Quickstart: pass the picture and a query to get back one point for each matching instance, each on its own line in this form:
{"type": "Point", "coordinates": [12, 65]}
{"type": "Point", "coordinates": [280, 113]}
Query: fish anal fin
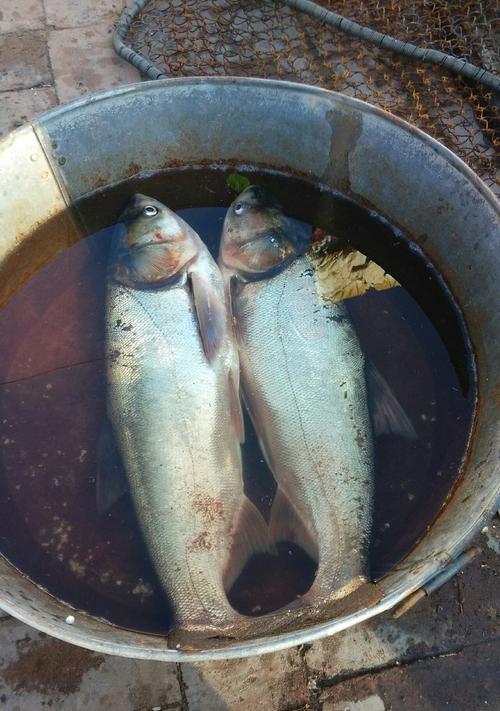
{"type": "Point", "coordinates": [286, 524]}
{"type": "Point", "coordinates": [210, 312]}
{"type": "Point", "coordinates": [111, 480]}
{"type": "Point", "coordinates": [388, 417]}
{"type": "Point", "coordinates": [249, 536]}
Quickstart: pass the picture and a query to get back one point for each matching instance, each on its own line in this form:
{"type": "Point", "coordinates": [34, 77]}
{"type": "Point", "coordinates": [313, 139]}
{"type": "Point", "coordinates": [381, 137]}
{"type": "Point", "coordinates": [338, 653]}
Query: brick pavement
{"type": "Point", "coordinates": [52, 51]}
{"type": "Point", "coordinates": [444, 653]}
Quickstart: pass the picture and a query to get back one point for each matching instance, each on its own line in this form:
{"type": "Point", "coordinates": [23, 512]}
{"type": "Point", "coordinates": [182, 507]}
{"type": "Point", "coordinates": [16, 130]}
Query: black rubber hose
{"type": "Point", "coordinates": [121, 29]}
{"type": "Point", "coordinates": [458, 66]}
{"type": "Point", "coordinates": [433, 56]}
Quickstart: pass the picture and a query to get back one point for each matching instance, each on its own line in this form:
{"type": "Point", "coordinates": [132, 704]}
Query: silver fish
{"type": "Point", "coordinates": [304, 379]}
{"type": "Point", "coordinates": [172, 372]}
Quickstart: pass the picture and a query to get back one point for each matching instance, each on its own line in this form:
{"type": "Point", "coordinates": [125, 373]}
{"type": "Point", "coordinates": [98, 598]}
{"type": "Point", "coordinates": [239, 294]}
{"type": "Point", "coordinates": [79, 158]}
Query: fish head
{"type": "Point", "coordinates": [258, 239]}
{"type": "Point", "coordinates": [152, 245]}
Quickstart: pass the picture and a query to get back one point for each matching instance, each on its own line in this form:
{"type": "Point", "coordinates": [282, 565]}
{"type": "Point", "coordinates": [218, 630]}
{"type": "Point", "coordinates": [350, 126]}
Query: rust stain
{"type": "Point", "coordinates": [132, 169]}
{"type": "Point", "coordinates": [209, 507]}
{"type": "Point", "coordinates": [100, 181]}
{"type": "Point", "coordinates": [171, 163]}
{"type": "Point", "coordinates": [48, 665]}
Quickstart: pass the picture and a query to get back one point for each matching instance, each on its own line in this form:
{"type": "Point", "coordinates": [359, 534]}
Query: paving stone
{"type": "Point", "coordinates": [64, 14]}
{"type": "Point", "coordinates": [21, 15]}
{"type": "Point", "coordinates": [370, 703]}
{"type": "Point", "coordinates": [84, 60]}
{"type": "Point", "coordinates": [24, 60]}
{"type": "Point", "coordinates": [463, 612]}
{"type": "Point", "coordinates": [37, 671]}
{"type": "Point", "coordinates": [22, 105]}
{"type": "Point", "coordinates": [271, 682]}
{"type": "Point", "coordinates": [466, 681]}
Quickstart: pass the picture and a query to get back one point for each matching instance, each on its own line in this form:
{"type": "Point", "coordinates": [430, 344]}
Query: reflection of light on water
{"type": "Point", "coordinates": [492, 536]}
{"type": "Point", "coordinates": [77, 568]}
{"type": "Point", "coordinates": [142, 589]}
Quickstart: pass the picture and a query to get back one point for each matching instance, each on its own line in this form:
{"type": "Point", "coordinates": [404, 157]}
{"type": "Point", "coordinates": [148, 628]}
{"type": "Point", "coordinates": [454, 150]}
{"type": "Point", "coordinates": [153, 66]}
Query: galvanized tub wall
{"type": "Point", "coordinates": [341, 142]}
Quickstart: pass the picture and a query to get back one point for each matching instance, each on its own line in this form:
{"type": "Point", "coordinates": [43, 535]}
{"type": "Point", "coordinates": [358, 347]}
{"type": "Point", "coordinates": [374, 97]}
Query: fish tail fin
{"type": "Point", "coordinates": [250, 535]}
{"type": "Point", "coordinates": [286, 524]}
{"type": "Point", "coordinates": [387, 414]}
{"type": "Point", "coordinates": [319, 594]}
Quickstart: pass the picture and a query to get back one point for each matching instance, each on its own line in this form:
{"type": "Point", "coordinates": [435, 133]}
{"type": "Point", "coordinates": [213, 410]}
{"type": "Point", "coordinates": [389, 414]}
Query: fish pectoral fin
{"type": "Point", "coordinates": [249, 536]}
{"type": "Point", "coordinates": [388, 417]}
{"type": "Point", "coordinates": [210, 312]}
{"type": "Point", "coordinates": [111, 480]}
{"type": "Point", "coordinates": [286, 524]}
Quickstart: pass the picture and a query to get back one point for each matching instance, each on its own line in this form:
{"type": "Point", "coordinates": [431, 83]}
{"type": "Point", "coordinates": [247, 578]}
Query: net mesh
{"type": "Point", "coordinates": [270, 39]}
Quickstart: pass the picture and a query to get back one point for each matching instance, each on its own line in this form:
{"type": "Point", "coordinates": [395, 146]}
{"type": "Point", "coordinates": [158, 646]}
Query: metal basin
{"type": "Point", "coordinates": [70, 152]}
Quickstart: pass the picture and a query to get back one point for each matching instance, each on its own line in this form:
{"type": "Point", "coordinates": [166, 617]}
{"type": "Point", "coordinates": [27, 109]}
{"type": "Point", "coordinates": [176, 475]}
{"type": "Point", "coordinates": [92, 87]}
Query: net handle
{"type": "Point", "coordinates": [455, 65]}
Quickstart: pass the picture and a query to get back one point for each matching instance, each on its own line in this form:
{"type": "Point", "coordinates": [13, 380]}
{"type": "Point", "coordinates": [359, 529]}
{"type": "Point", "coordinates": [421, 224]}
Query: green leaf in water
{"type": "Point", "coordinates": [237, 182]}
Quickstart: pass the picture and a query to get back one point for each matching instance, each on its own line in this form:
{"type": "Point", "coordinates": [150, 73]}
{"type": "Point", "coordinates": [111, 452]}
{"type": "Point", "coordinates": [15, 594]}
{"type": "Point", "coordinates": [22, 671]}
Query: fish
{"type": "Point", "coordinates": [175, 414]}
{"type": "Point", "coordinates": [306, 384]}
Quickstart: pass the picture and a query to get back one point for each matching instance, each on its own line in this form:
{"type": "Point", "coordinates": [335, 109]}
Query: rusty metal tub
{"type": "Point", "coordinates": [415, 182]}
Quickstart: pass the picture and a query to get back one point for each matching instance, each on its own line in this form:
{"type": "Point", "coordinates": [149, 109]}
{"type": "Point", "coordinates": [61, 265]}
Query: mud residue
{"type": "Point", "coordinates": [49, 665]}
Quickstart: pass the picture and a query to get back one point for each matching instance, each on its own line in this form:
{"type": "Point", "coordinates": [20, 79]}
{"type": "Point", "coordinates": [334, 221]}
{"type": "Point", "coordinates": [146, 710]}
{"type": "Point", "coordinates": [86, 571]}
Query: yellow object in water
{"type": "Point", "coordinates": [345, 273]}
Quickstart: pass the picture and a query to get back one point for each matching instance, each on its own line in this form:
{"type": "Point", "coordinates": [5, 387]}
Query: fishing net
{"type": "Point", "coordinates": [269, 39]}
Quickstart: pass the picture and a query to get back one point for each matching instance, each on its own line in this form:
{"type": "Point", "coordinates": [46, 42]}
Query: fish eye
{"type": "Point", "coordinates": [239, 208]}
{"type": "Point", "coordinates": [150, 210]}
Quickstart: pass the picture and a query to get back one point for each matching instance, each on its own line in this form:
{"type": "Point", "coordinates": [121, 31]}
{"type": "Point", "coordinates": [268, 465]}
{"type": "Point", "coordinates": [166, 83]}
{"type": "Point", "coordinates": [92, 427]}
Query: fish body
{"type": "Point", "coordinates": [303, 378]}
{"type": "Point", "coordinates": [172, 372]}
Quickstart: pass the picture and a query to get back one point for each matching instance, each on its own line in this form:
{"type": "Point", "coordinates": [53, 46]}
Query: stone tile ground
{"type": "Point", "coordinates": [55, 51]}
{"type": "Point", "coordinates": [444, 654]}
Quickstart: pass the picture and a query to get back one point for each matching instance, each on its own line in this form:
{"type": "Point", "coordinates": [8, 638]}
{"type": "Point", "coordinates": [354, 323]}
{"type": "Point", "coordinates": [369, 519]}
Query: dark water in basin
{"type": "Point", "coordinates": [52, 404]}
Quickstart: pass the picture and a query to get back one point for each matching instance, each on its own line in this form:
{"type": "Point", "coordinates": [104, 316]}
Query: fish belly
{"type": "Point", "coordinates": [169, 411]}
{"type": "Point", "coordinates": [303, 378]}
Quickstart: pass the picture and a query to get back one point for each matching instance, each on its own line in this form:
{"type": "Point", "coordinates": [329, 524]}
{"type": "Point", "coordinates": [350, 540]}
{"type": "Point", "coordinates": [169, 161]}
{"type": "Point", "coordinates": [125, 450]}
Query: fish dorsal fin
{"type": "Point", "coordinates": [286, 524]}
{"type": "Point", "coordinates": [210, 312]}
{"type": "Point", "coordinates": [388, 417]}
{"type": "Point", "coordinates": [249, 536]}
{"type": "Point", "coordinates": [111, 480]}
